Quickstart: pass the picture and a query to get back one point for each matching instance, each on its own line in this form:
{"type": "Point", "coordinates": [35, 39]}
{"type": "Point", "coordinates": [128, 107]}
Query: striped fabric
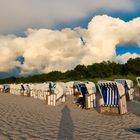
{"type": "Point", "coordinates": [104, 92]}
{"type": "Point", "coordinates": [82, 89]}
{"type": "Point", "coordinates": [116, 94]}
{"type": "Point", "coordinates": [124, 83]}
{"type": "Point", "coordinates": [109, 93]}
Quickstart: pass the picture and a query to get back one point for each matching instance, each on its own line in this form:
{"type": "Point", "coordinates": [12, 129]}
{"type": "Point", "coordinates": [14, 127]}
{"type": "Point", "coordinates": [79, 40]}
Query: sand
{"type": "Point", "coordinates": [25, 118]}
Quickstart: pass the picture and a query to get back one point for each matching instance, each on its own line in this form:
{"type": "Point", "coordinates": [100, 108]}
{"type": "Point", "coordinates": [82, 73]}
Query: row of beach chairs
{"type": "Point", "coordinates": [52, 93]}
{"type": "Point", "coordinates": [112, 94]}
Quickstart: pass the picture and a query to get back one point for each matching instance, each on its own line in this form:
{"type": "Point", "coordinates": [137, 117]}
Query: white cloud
{"type": "Point", "coordinates": [18, 15]}
{"type": "Point", "coordinates": [125, 57]}
{"type": "Point", "coordinates": [45, 50]}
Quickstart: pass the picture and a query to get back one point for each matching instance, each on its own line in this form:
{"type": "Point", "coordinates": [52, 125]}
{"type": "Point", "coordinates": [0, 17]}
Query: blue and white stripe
{"type": "Point", "coordinates": [109, 93]}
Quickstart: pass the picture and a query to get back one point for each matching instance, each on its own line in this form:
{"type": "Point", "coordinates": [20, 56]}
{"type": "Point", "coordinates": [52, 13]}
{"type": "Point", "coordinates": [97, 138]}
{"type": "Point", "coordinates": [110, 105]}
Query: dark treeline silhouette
{"type": "Point", "coordinates": [81, 72]}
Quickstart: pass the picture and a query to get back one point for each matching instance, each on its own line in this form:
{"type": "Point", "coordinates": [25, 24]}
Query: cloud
{"type": "Point", "coordinates": [125, 57]}
{"type": "Point", "coordinates": [45, 50]}
{"type": "Point", "coordinates": [18, 15]}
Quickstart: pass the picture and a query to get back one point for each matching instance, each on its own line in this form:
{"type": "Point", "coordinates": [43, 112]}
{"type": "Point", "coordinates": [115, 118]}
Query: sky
{"type": "Point", "coordinates": [33, 29]}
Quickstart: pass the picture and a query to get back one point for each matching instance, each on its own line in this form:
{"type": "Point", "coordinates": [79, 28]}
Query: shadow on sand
{"type": "Point", "coordinates": [66, 127]}
{"type": "Point", "coordinates": [134, 107]}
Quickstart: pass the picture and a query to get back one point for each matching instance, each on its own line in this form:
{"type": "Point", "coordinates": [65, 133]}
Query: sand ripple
{"type": "Point", "coordinates": [23, 118]}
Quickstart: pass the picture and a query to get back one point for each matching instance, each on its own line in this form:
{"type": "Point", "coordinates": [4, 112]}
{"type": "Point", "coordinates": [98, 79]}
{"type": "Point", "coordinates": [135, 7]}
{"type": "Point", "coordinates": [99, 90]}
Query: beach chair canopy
{"type": "Point", "coordinates": [81, 88]}
{"type": "Point", "coordinates": [1, 86]}
{"type": "Point", "coordinates": [70, 84]}
{"type": "Point", "coordinates": [6, 87]}
{"type": "Point", "coordinates": [91, 87]}
{"type": "Point", "coordinates": [125, 82]}
{"type": "Point", "coordinates": [52, 86]}
{"type": "Point", "coordinates": [109, 92]}
{"type": "Point", "coordinates": [60, 88]}
{"type": "Point", "coordinates": [85, 87]}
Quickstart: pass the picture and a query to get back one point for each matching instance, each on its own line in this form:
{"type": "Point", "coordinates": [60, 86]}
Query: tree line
{"type": "Point", "coordinates": [81, 72]}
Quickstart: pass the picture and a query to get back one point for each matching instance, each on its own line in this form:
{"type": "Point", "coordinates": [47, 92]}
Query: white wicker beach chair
{"type": "Point", "coordinates": [57, 94]}
{"type": "Point", "coordinates": [138, 81]}
{"type": "Point", "coordinates": [85, 94]}
{"type": "Point", "coordinates": [128, 86]}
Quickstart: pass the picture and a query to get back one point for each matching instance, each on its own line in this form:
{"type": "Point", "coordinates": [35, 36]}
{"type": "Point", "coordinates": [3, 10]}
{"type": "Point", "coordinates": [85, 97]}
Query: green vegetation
{"type": "Point", "coordinates": [97, 71]}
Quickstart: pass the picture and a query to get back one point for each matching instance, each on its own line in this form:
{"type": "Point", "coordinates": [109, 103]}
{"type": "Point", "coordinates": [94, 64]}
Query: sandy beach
{"type": "Point", "coordinates": [24, 118]}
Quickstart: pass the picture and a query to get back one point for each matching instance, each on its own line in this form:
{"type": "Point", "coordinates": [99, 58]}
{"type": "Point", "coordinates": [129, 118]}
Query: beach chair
{"type": "Point", "coordinates": [45, 90]}
{"type": "Point", "coordinates": [1, 88]}
{"type": "Point", "coordinates": [57, 94]}
{"type": "Point", "coordinates": [31, 86]}
{"type": "Point", "coordinates": [6, 88]}
{"type": "Point", "coordinates": [15, 89]}
{"type": "Point", "coordinates": [91, 96]}
{"type": "Point", "coordinates": [38, 91]}
{"type": "Point", "coordinates": [138, 81]}
{"type": "Point", "coordinates": [12, 88]}
{"type": "Point", "coordinates": [69, 87]}
{"type": "Point", "coordinates": [129, 88]}
{"type": "Point", "coordinates": [33, 90]}
{"type": "Point", "coordinates": [22, 89]}
{"type": "Point", "coordinates": [85, 94]}
{"type": "Point", "coordinates": [26, 90]}
{"type": "Point", "coordinates": [18, 89]}
{"type": "Point", "coordinates": [113, 98]}
{"type": "Point", "coordinates": [41, 93]}
{"type": "Point", "coordinates": [137, 90]}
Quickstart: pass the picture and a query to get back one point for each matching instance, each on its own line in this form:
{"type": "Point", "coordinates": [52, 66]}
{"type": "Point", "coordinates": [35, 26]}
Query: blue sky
{"type": "Point", "coordinates": [122, 49]}
{"type": "Point", "coordinates": [18, 15]}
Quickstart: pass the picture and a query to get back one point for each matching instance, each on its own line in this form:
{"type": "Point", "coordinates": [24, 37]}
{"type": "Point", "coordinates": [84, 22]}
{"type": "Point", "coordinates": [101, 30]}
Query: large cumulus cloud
{"type": "Point", "coordinates": [45, 50]}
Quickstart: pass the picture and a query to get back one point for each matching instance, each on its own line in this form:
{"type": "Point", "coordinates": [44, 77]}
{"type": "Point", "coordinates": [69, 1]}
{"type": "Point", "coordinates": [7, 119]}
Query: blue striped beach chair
{"type": "Point", "coordinates": [112, 98]}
